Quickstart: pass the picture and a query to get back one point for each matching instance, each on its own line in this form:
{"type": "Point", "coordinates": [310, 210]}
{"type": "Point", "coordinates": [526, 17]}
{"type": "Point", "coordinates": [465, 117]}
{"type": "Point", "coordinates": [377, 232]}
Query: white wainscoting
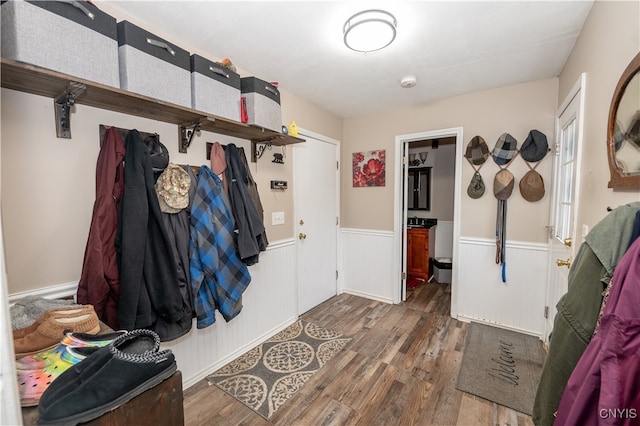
{"type": "Point", "coordinates": [443, 240]}
{"type": "Point", "coordinates": [517, 304]}
{"type": "Point", "coordinates": [269, 305]}
{"type": "Point", "coordinates": [367, 263]}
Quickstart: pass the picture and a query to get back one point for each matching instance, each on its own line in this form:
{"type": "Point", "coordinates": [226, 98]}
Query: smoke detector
{"type": "Point", "coordinates": [408, 81]}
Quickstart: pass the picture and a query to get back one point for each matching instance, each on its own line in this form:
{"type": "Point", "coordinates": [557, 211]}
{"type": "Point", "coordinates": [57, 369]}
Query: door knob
{"type": "Point", "coordinates": [302, 236]}
{"type": "Point", "coordinates": [567, 242]}
{"type": "Point", "coordinates": [566, 263]}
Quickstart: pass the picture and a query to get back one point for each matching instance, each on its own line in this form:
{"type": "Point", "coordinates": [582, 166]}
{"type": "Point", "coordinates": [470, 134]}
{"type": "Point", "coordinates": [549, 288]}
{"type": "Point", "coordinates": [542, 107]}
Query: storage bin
{"type": "Point", "coordinates": [263, 103]}
{"type": "Point", "coordinates": [61, 36]}
{"type": "Point", "coordinates": [214, 88]}
{"type": "Point", "coordinates": [442, 269]}
{"type": "Point", "coordinates": [152, 66]}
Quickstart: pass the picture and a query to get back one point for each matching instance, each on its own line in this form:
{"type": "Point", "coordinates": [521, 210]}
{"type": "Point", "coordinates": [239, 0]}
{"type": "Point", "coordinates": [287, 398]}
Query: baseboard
{"type": "Point", "coordinates": [367, 296]}
{"type": "Point", "coordinates": [468, 319]}
{"type": "Point", "coordinates": [204, 372]}
{"type": "Point", "coordinates": [58, 291]}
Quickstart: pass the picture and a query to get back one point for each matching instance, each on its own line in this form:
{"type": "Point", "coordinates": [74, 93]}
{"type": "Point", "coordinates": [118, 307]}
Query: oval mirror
{"type": "Point", "coordinates": [623, 130]}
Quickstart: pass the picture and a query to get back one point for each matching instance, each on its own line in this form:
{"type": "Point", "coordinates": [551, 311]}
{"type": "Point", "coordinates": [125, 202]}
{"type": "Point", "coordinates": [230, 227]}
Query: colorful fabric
{"type": "Point", "coordinates": [48, 357]}
{"type": "Point", "coordinates": [218, 276]}
{"type": "Point", "coordinates": [33, 383]}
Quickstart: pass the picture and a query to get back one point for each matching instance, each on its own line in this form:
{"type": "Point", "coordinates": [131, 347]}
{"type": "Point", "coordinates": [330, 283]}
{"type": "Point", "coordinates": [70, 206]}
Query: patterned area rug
{"type": "Point", "coordinates": [270, 374]}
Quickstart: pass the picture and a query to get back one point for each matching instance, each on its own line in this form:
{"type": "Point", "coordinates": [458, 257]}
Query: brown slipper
{"type": "Point", "coordinates": [52, 331]}
{"type": "Point", "coordinates": [73, 310]}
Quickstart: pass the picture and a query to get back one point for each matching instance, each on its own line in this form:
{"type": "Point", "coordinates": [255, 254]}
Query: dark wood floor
{"type": "Point", "coordinates": [400, 369]}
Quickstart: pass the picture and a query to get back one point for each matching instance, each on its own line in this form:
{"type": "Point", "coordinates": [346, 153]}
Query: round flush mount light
{"type": "Point", "coordinates": [408, 81]}
{"type": "Point", "coordinates": [369, 30]}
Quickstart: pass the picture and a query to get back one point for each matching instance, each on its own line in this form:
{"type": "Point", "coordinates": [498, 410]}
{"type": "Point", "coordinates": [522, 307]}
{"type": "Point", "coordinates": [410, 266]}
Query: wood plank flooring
{"type": "Point", "coordinates": [400, 369]}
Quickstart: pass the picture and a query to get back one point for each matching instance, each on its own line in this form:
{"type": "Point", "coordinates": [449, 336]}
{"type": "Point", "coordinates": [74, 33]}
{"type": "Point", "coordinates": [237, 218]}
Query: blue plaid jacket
{"type": "Point", "coordinates": [218, 276]}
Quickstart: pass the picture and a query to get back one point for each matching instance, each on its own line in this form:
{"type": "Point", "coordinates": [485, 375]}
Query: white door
{"type": "Point", "coordinates": [316, 219]}
{"type": "Point", "coordinates": [562, 229]}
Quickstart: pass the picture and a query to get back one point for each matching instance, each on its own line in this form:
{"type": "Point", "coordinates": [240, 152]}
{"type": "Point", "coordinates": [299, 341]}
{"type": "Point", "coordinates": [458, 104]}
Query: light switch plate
{"type": "Point", "coordinates": [277, 218]}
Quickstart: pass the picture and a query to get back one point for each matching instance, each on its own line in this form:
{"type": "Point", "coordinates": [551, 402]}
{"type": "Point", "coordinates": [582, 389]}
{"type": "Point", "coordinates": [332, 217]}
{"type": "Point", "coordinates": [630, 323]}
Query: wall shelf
{"type": "Point", "coordinates": [40, 81]}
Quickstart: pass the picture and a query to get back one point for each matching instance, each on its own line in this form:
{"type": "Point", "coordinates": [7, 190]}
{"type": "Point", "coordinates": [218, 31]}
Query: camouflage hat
{"type": "Point", "coordinates": [172, 188]}
{"type": "Point", "coordinates": [535, 147]}
{"type": "Point", "coordinates": [477, 151]}
{"type": "Point", "coordinates": [532, 186]}
{"type": "Point", "coordinates": [503, 184]}
{"type": "Point", "coordinates": [505, 149]}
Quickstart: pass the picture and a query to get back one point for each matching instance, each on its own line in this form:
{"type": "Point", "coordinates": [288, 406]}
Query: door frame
{"type": "Point", "coordinates": [400, 213]}
{"type": "Point", "coordinates": [298, 198]}
{"type": "Point", "coordinates": [578, 89]}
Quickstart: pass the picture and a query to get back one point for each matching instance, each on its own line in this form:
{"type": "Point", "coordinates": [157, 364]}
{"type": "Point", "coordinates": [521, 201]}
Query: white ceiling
{"type": "Point", "coordinates": [451, 47]}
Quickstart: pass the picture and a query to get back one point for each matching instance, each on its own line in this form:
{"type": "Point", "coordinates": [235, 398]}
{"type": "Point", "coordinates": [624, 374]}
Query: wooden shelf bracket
{"type": "Point", "coordinates": [62, 106]}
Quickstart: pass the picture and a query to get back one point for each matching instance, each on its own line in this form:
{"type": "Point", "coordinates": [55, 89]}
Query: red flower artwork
{"type": "Point", "coordinates": [369, 168]}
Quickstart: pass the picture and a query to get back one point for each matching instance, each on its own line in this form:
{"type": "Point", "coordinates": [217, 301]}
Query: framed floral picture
{"type": "Point", "coordinates": [369, 168]}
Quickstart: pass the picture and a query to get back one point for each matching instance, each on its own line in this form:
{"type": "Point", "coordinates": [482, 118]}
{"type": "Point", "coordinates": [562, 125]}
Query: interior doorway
{"type": "Point", "coordinates": [411, 210]}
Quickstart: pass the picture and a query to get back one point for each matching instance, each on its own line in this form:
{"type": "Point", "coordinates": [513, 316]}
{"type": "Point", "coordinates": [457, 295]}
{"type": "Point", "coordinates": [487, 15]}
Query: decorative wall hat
{"type": "Point", "coordinates": [535, 147]}
{"type": "Point", "coordinates": [532, 186]}
{"type": "Point", "coordinates": [505, 149]}
{"type": "Point", "coordinates": [172, 188]}
{"type": "Point", "coordinates": [503, 184]}
{"type": "Point", "coordinates": [476, 186]}
{"type": "Point", "coordinates": [477, 151]}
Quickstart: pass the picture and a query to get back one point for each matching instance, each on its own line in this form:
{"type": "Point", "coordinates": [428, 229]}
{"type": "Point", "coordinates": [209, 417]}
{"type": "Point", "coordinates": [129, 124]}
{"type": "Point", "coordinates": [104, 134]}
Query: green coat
{"type": "Point", "coordinates": [578, 309]}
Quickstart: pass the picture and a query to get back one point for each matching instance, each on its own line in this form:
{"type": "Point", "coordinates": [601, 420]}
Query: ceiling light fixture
{"type": "Point", "coordinates": [369, 30]}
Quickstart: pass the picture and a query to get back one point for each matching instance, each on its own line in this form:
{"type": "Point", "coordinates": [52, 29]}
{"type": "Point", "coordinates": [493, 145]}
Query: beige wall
{"type": "Point", "coordinates": [608, 42]}
{"type": "Point", "coordinates": [515, 109]}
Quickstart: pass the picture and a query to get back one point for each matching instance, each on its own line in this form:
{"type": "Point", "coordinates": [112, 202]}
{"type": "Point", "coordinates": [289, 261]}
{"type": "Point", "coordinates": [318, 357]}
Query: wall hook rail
{"type": "Point", "coordinates": [62, 106]}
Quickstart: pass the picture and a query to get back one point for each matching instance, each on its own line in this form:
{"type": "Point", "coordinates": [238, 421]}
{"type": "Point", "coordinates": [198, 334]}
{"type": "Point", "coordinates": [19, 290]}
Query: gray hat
{"type": "Point", "coordinates": [505, 149]}
{"type": "Point", "coordinates": [503, 184]}
{"type": "Point", "coordinates": [477, 151]}
{"type": "Point", "coordinates": [535, 147]}
{"type": "Point", "coordinates": [476, 186]}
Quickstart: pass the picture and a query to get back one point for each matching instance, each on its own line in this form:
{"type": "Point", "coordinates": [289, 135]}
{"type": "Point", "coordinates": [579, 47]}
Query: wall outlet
{"type": "Point", "coordinates": [277, 218]}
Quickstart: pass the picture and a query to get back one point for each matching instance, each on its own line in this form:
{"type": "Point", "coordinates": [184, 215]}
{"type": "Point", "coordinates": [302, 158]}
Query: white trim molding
{"type": "Point", "coordinates": [368, 265]}
{"type": "Point", "coordinates": [517, 304]}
